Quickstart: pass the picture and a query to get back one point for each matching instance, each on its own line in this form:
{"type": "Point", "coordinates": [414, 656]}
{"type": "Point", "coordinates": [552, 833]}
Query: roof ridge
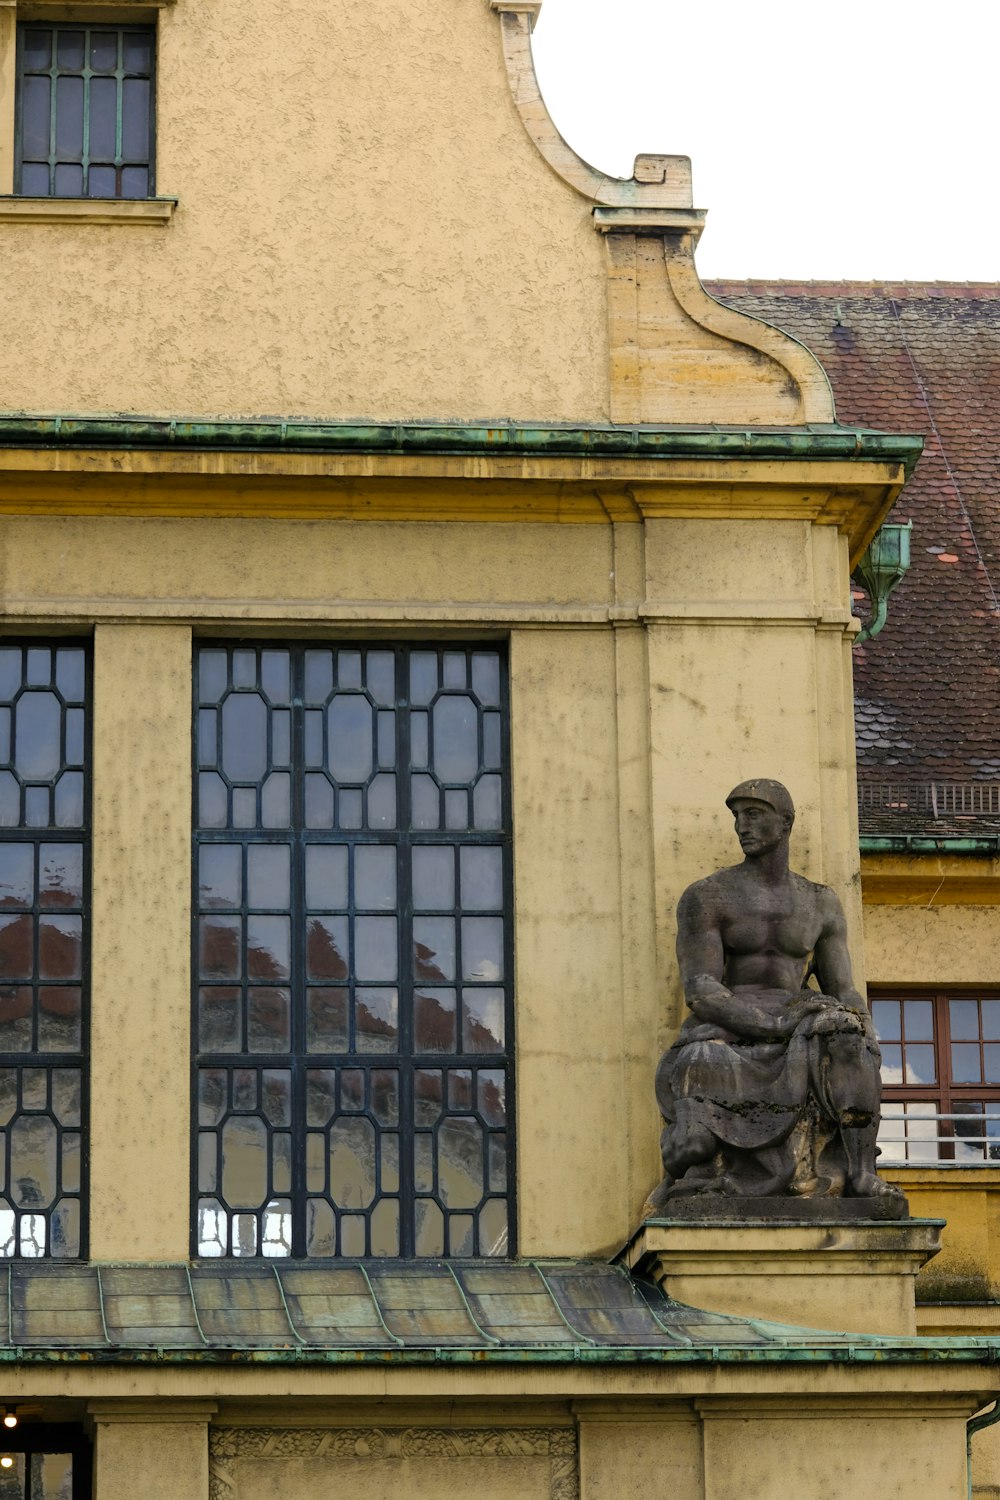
{"type": "Point", "coordinates": [845, 288]}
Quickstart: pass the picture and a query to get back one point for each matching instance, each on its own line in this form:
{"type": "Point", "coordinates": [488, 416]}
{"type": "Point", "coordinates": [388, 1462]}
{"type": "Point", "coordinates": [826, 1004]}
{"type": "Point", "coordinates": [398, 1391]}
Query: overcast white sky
{"type": "Point", "coordinates": [857, 139]}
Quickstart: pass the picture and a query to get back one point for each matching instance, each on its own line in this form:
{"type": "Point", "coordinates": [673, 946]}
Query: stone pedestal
{"type": "Point", "coordinates": [842, 1275]}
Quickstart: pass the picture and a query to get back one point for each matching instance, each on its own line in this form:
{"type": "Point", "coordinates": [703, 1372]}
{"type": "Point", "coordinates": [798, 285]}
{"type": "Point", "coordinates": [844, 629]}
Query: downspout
{"type": "Point", "coordinates": [974, 1425]}
{"type": "Point", "coordinates": [879, 571]}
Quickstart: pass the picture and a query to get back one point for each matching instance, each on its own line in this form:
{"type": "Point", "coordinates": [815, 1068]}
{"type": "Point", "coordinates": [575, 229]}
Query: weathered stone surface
{"type": "Point", "coordinates": [771, 1091]}
{"type": "Point", "coordinates": [786, 1210]}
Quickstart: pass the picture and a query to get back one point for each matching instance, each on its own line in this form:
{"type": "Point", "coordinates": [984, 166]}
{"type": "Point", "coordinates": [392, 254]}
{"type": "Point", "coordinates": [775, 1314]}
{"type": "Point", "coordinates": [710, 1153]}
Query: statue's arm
{"type": "Point", "coordinates": [832, 960]}
{"type": "Point", "coordinates": [701, 959]}
{"type": "Point", "coordinates": [700, 953]}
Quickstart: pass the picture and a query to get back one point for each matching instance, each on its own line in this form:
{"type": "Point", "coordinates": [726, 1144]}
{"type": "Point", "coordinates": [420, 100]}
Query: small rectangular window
{"type": "Point", "coordinates": [84, 111]}
{"type": "Point", "coordinates": [940, 1076]}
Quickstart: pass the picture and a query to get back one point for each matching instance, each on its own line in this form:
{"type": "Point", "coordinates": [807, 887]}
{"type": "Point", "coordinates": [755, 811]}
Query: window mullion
{"type": "Point", "coordinates": [404, 863]}
{"type": "Point", "coordinates": [85, 143]}
{"type": "Point", "coordinates": [946, 1128]}
{"type": "Point", "coordinates": [53, 75]}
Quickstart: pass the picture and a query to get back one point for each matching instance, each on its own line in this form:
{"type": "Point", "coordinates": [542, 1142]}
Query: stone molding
{"type": "Point", "coordinates": [658, 181]}
{"type": "Point", "coordinates": [648, 311]}
{"type": "Point", "coordinates": [557, 1444]}
{"type": "Point", "coordinates": [136, 211]}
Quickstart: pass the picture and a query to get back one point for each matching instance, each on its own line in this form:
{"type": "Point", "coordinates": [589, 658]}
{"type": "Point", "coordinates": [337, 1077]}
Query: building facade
{"type": "Point", "coordinates": [402, 558]}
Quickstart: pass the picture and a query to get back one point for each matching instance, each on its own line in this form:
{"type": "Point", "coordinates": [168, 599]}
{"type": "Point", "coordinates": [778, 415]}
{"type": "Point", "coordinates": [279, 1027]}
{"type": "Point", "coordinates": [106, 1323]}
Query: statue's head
{"type": "Point", "coordinates": [763, 812]}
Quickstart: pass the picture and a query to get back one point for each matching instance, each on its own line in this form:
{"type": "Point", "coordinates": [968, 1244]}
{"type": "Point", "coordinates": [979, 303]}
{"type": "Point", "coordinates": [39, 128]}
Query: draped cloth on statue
{"type": "Point", "coordinates": [752, 1093]}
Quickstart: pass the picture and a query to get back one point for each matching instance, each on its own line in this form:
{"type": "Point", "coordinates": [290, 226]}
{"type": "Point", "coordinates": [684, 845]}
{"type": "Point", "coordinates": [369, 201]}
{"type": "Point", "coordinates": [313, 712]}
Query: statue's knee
{"type": "Point", "coordinates": [848, 1047]}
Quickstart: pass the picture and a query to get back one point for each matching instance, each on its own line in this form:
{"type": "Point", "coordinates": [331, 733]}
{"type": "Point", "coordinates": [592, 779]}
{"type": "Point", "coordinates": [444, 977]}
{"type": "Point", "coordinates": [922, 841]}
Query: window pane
{"type": "Point", "coordinates": [482, 879]}
{"type": "Point", "coordinates": [51, 1476]}
{"type": "Point", "coordinates": [918, 1019]}
{"type": "Point", "coordinates": [892, 1064]}
{"type": "Point", "coordinates": [268, 876]}
{"type": "Point", "coordinates": [434, 877]}
{"type": "Point", "coordinates": [103, 51]}
{"type": "Point", "coordinates": [34, 181]}
{"type": "Point", "coordinates": [103, 119]}
{"type": "Point", "coordinates": [36, 96]}
{"type": "Point", "coordinates": [36, 49]}
{"type": "Point", "coordinates": [375, 877]}
{"type": "Point", "coordinates": [220, 876]}
{"type": "Point", "coordinates": [964, 1020]}
{"type": "Point", "coordinates": [69, 117]}
{"type": "Point", "coordinates": [135, 119]}
{"type": "Point", "coordinates": [138, 51]}
{"type": "Point", "coordinates": [69, 50]}
{"type": "Point", "coordinates": [965, 1064]}
{"type": "Point", "coordinates": [68, 181]}
{"type": "Point", "coordinates": [920, 1065]}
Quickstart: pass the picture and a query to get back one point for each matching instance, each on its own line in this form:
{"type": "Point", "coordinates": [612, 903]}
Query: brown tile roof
{"type": "Point", "coordinates": [920, 357]}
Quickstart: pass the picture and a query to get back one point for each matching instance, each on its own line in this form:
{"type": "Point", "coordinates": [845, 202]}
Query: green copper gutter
{"type": "Point", "coordinates": [531, 439]}
{"type": "Point", "coordinates": [918, 843]}
{"type": "Point", "coordinates": [883, 1352]}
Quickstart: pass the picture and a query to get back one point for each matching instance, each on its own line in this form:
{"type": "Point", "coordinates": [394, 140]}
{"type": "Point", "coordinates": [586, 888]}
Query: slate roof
{"type": "Point", "coordinates": [233, 1312]}
{"type": "Point", "coordinates": [912, 357]}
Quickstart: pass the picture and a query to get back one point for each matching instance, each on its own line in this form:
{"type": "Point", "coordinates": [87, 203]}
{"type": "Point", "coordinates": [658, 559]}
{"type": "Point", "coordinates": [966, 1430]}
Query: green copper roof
{"type": "Point", "coordinates": [418, 1312]}
{"type": "Point", "coordinates": [524, 438]}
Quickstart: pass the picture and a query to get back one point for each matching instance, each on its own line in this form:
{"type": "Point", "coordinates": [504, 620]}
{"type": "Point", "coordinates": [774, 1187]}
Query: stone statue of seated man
{"type": "Point", "coordinates": [772, 1087]}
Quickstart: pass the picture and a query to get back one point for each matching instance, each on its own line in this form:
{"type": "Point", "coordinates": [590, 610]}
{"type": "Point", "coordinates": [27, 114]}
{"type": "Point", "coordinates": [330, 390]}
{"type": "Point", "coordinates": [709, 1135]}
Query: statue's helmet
{"type": "Point", "coordinates": [761, 789]}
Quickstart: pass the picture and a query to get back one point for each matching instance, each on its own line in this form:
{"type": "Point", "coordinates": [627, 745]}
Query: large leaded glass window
{"type": "Point", "coordinates": [43, 874]}
{"type": "Point", "coordinates": [353, 952]}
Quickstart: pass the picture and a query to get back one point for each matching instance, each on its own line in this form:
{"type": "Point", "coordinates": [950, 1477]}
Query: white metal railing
{"type": "Point", "coordinates": [914, 1133]}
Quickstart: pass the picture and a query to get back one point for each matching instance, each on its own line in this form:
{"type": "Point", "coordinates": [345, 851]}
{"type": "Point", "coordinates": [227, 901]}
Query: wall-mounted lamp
{"type": "Point", "coordinates": [880, 569]}
{"type": "Point", "coordinates": [10, 1416]}
{"type": "Point", "coordinates": [6, 1460]}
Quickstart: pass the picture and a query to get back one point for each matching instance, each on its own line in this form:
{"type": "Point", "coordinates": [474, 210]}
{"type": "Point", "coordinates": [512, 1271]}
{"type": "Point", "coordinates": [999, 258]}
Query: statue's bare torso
{"type": "Point", "coordinates": [768, 934]}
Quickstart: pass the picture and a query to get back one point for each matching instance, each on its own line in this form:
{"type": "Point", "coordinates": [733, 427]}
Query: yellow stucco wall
{"type": "Point", "coordinates": [342, 175]}
{"type": "Point", "coordinates": [932, 944]}
{"type": "Point", "coordinates": [140, 1033]}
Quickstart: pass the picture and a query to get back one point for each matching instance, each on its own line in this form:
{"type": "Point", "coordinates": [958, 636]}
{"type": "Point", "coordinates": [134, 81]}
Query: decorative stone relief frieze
{"type": "Point", "coordinates": [230, 1445]}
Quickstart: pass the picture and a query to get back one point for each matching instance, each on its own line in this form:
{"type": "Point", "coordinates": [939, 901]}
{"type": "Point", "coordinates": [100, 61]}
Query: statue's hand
{"type": "Point", "coordinates": [802, 1009]}
{"type": "Point", "coordinates": [827, 1014]}
{"type": "Point", "coordinates": [855, 1003]}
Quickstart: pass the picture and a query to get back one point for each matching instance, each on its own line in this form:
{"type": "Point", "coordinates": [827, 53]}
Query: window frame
{"type": "Point", "coordinates": [402, 836]}
{"type": "Point", "coordinates": [31, 1438]}
{"type": "Point", "coordinates": [87, 26]}
{"type": "Point", "coordinates": [946, 1094]}
{"type": "Point", "coordinates": [23, 833]}
{"type": "Point", "coordinates": [15, 208]}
